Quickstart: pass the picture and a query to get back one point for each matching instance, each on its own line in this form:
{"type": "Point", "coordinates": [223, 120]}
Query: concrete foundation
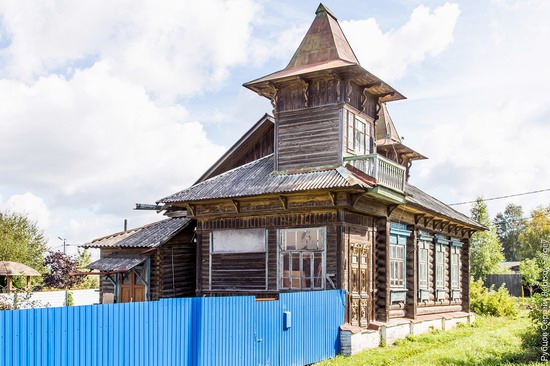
{"type": "Point", "coordinates": [355, 339]}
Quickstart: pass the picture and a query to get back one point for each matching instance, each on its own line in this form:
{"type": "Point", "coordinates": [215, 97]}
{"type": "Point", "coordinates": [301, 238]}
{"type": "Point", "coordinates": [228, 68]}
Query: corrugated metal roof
{"type": "Point", "coordinates": [257, 178]}
{"type": "Point", "coordinates": [148, 236]}
{"type": "Point", "coordinates": [424, 200]}
{"type": "Point", "coordinates": [118, 262]}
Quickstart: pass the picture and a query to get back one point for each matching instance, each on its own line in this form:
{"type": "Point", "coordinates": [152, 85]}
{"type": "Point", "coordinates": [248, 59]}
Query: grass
{"type": "Point", "coordinates": [489, 341]}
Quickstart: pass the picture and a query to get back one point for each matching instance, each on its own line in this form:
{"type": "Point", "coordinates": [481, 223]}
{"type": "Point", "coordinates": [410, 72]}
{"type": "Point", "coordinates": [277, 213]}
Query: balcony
{"type": "Point", "coordinates": [387, 173]}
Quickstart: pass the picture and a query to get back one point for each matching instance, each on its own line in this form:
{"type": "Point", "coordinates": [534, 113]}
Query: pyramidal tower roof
{"type": "Point", "coordinates": [388, 139]}
{"type": "Point", "coordinates": [324, 48]}
{"type": "Point", "coordinates": [386, 133]}
{"type": "Point", "coordinates": [324, 42]}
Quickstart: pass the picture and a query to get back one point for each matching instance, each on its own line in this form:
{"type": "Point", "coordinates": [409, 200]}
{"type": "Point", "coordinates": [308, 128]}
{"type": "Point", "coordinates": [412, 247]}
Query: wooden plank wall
{"type": "Point", "coordinates": [253, 261]}
{"type": "Point", "coordinates": [177, 266]}
{"type": "Point", "coordinates": [308, 137]}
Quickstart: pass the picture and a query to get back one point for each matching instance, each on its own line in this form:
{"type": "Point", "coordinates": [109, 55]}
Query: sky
{"type": "Point", "coordinates": [105, 104]}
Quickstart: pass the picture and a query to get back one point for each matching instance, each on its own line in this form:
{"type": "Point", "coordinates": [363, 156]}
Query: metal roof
{"type": "Point", "coordinates": [257, 178]}
{"type": "Point", "coordinates": [323, 48]}
{"type": "Point", "coordinates": [148, 236]}
{"type": "Point", "coordinates": [118, 262]}
{"type": "Point", "coordinates": [424, 200]}
{"type": "Point", "coordinates": [253, 135]}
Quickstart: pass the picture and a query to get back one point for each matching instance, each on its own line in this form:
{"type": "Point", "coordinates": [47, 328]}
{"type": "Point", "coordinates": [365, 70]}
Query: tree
{"type": "Point", "coordinates": [21, 240]}
{"type": "Point", "coordinates": [485, 247]}
{"type": "Point", "coordinates": [84, 259]}
{"type": "Point", "coordinates": [60, 267]}
{"type": "Point", "coordinates": [536, 233]}
{"type": "Point", "coordinates": [510, 224]}
{"type": "Point", "coordinates": [530, 273]}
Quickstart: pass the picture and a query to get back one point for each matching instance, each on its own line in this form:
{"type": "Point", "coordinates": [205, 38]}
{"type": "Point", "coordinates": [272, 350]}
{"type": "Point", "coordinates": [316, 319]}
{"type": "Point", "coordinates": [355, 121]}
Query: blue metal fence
{"type": "Point", "coordinates": [186, 331]}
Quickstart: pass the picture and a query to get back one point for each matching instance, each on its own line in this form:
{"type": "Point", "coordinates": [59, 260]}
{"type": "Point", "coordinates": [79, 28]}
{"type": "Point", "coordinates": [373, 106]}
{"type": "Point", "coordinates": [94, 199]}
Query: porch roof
{"type": "Point", "coordinates": [118, 262]}
{"type": "Point", "coordinates": [148, 236]}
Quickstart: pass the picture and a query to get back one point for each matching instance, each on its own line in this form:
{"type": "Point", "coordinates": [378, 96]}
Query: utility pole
{"type": "Point", "coordinates": [65, 254]}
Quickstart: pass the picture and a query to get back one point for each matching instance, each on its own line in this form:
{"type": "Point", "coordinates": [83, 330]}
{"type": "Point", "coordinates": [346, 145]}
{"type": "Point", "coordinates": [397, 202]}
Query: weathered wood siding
{"type": "Point", "coordinates": [308, 137]}
{"type": "Point", "coordinates": [382, 293]}
{"type": "Point", "coordinates": [177, 266]}
{"type": "Point", "coordinates": [411, 273]}
{"type": "Point", "coordinates": [225, 268]}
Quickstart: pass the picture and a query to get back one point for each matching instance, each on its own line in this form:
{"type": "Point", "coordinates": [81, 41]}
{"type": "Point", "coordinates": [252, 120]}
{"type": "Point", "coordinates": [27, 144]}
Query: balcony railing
{"type": "Point", "coordinates": [386, 172]}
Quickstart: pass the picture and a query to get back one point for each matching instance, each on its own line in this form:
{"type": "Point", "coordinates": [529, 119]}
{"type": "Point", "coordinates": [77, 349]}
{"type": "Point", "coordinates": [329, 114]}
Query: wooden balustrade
{"type": "Point", "coordinates": [387, 173]}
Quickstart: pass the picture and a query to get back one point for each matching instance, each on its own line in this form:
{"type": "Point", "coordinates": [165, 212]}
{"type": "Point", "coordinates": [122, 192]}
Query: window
{"type": "Point", "coordinates": [302, 258]}
{"type": "Point", "coordinates": [424, 241]}
{"type": "Point", "coordinates": [440, 267]}
{"type": "Point", "coordinates": [440, 249]}
{"type": "Point", "coordinates": [358, 134]}
{"type": "Point", "coordinates": [423, 268]}
{"type": "Point", "coordinates": [397, 265]}
{"type": "Point", "coordinates": [239, 241]}
{"type": "Point", "coordinates": [455, 263]}
{"type": "Point", "coordinates": [350, 120]}
{"type": "Point", "coordinates": [398, 241]}
{"type": "Point", "coordinates": [360, 128]}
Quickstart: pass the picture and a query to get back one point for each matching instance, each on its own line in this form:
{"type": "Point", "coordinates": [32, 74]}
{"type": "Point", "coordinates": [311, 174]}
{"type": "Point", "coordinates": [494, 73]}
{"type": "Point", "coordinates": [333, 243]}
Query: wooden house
{"type": "Point", "coordinates": [318, 197]}
{"type": "Point", "coordinates": [315, 197]}
{"type": "Point", "coordinates": [147, 263]}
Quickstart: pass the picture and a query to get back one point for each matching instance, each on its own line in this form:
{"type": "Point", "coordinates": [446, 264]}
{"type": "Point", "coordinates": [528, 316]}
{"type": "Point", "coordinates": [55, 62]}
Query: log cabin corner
{"type": "Point", "coordinates": [315, 197]}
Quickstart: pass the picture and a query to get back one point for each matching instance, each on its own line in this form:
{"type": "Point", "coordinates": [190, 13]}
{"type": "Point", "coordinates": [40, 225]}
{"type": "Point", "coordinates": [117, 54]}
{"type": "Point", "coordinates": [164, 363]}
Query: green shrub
{"type": "Point", "coordinates": [486, 301]}
{"type": "Point", "coordinates": [70, 300]}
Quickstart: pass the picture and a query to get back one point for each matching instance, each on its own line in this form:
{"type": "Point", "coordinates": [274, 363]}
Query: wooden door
{"type": "Point", "coordinates": [131, 286]}
{"type": "Point", "coordinates": [360, 287]}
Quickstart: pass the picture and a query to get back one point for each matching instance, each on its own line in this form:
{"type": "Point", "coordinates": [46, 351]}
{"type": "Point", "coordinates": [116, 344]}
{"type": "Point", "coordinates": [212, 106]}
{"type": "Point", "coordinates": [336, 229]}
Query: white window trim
{"type": "Point", "coordinates": [281, 252]}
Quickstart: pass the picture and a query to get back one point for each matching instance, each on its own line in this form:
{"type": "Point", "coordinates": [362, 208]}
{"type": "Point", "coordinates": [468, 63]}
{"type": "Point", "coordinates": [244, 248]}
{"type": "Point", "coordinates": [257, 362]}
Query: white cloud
{"type": "Point", "coordinates": [97, 138]}
{"type": "Point", "coordinates": [173, 48]}
{"type": "Point", "coordinates": [484, 123]}
{"type": "Point", "coordinates": [389, 54]}
{"type": "Point", "coordinates": [29, 204]}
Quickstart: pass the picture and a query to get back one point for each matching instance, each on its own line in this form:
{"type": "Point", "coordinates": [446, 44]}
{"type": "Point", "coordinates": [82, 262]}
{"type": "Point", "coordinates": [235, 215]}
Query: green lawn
{"type": "Point", "coordinates": [490, 341]}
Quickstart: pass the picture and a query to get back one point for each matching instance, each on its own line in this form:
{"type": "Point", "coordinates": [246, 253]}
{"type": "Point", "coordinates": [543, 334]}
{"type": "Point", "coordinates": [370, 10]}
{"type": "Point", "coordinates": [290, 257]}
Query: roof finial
{"type": "Point", "coordinates": [323, 9]}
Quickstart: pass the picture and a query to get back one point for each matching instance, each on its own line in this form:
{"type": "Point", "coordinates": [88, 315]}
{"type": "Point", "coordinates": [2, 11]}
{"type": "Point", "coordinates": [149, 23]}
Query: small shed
{"type": "Point", "coordinates": [10, 269]}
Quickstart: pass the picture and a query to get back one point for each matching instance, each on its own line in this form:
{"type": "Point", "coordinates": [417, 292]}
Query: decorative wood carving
{"type": "Point", "coordinates": [349, 90]}
{"type": "Point", "coordinates": [275, 98]}
{"type": "Point", "coordinates": [391, 208]}
{"type": "Point", "coordinates": [305, 87]}
{"type": "Point", "coordinates": [338, 89]}
{"type": "Point", "coordinates": [427, 220]}
{"type": "Point", "coordinates": [237, 205]}
{"type": "Point", "coordinates": [191, 209]}
{"type": "Point", "coordinates": [365, 99]}
{"type": "Point", "coordinates": [450, 228]}
{"type": "Point", "coordinates": [354, 198]}
{"type": "Point", "coordinates": [418, 217]}
{"type": "Point", "coordinates": [284, 201]}
{"type": "Point", "coordinates": [333, 196]}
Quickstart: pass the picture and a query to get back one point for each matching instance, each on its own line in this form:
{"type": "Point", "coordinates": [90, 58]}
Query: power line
{"type": "Point", "coordinates": [501, 197]}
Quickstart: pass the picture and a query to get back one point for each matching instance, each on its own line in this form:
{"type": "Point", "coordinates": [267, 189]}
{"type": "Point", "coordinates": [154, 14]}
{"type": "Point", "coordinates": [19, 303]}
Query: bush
{"type": "Point", "coordinates": [486, 301]}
